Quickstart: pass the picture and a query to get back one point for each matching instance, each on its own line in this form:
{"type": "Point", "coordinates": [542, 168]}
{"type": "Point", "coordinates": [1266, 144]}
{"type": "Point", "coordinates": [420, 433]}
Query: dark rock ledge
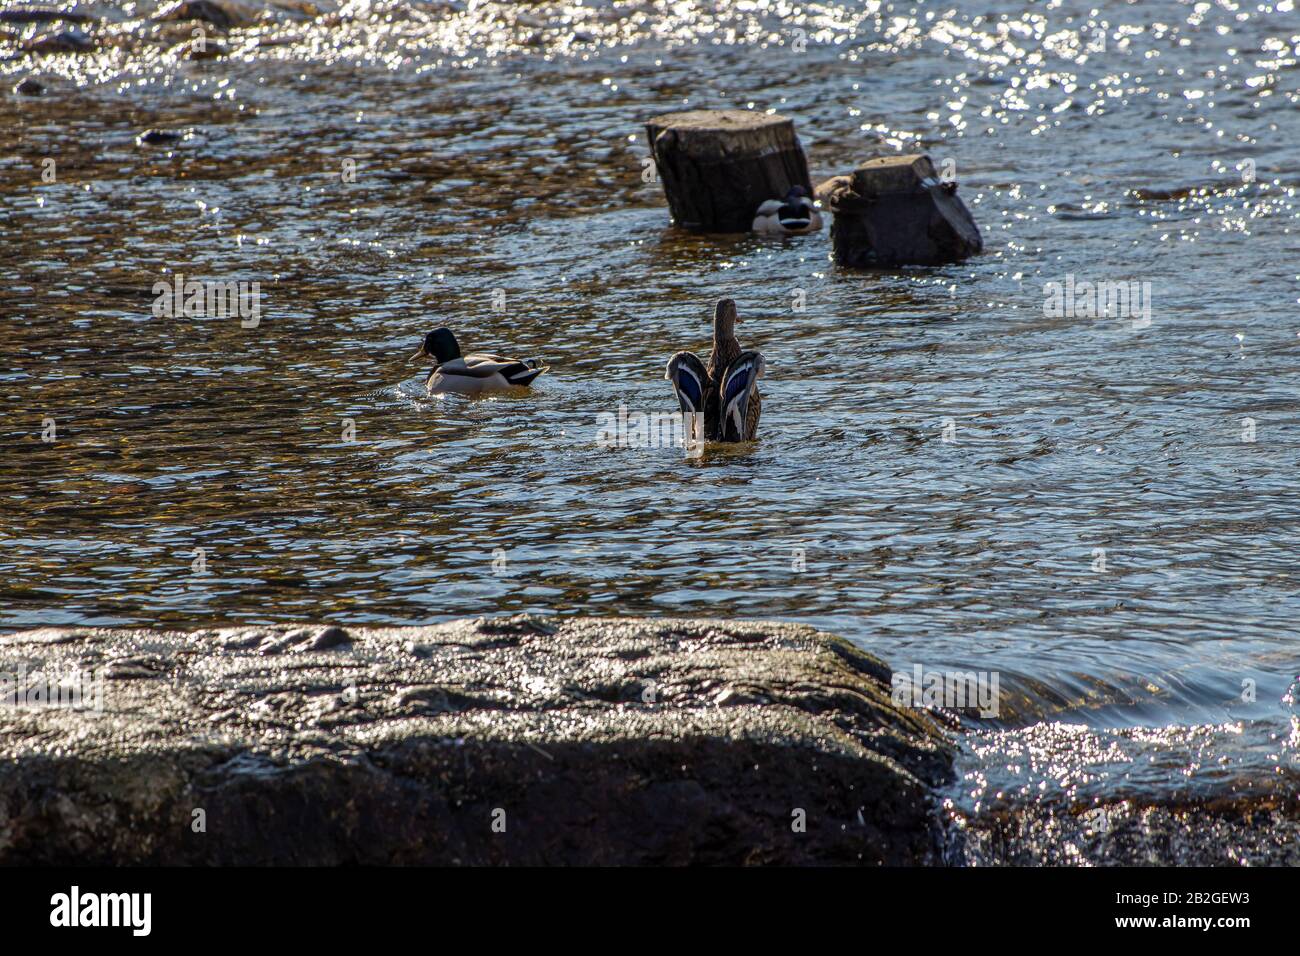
{"type": "Point", "coordinates": [618, 741]}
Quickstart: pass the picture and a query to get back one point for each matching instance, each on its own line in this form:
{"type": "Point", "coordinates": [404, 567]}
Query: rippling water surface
{"type": "Point", "coordinates": [497, 151]}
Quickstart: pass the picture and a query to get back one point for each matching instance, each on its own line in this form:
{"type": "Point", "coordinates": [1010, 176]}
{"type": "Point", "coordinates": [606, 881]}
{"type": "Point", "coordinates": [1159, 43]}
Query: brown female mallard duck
{"type": "Point", "coordinates": [726, 391]}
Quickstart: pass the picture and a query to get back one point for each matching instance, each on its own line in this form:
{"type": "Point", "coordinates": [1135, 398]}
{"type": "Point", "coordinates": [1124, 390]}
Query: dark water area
{"type": "Point", "coordinates": [1100, 511]}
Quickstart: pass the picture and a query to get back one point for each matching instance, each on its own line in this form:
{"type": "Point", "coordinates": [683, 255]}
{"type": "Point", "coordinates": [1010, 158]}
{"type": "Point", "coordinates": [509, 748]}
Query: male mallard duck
{"type": "Point", "coordinates": [476, 374]}
{"type": "Point", "coordinates": [726, 392]}
{"type": "Point", "coordinates": [793, 215]}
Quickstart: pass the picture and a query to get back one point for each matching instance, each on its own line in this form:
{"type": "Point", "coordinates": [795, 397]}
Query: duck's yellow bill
{"type": "Point", "coordinates": [417, 356]}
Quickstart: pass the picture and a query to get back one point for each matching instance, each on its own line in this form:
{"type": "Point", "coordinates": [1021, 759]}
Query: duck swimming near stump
{"type": "Point", "coordinates": [725, 391]}
{"type": "Point", "coordinates": [476, 374]}
{"type": "Point", "coordinates": [791, 216]}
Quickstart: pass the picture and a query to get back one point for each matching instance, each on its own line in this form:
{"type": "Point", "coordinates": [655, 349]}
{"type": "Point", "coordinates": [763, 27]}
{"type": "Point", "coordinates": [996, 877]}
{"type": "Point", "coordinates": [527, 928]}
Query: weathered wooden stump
{"type": "Point", "coordinates": [895, 211]}
{"type": "Point", "coordinates": [718, 166]}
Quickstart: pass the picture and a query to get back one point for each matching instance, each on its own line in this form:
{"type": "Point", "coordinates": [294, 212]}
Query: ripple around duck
{"type": "Point", "coordinates": [498, 152]}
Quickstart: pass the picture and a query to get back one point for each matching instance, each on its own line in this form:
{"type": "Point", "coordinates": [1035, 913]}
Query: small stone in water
{"type": "Point", "coordinates": [65, 41]}
{"type": "Point", "coordinates": [157, 137]}
{"type": "Point", "coordinates": [209, 50]}
{"type": "Point", "coordinates": [330, 637]}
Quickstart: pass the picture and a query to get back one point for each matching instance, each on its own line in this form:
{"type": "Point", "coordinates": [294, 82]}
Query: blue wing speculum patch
{"type": "Point", "coordinates": [689, 378]}
{"type": "Point", "coordinates": [739, 386]}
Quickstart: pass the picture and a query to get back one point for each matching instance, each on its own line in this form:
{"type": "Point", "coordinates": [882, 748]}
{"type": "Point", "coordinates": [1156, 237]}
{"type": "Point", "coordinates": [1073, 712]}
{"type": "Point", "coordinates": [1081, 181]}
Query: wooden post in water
{"type": "Point", "coordinates": [719, 166]}
{"type": "Point", "coordinates": [896, 211]}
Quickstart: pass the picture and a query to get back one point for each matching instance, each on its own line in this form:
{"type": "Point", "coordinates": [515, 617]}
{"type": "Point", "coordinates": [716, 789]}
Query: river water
{"type": "Point", "coordinates": [1097, 512]}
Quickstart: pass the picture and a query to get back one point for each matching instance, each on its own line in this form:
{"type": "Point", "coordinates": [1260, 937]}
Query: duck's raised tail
{"type": "Point", "coordinates": [523, 373]}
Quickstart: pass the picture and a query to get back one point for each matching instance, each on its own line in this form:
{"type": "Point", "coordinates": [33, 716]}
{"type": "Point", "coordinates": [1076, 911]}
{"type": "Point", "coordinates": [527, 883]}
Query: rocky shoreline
{"type": "Point", "coordinates": [521, 741]}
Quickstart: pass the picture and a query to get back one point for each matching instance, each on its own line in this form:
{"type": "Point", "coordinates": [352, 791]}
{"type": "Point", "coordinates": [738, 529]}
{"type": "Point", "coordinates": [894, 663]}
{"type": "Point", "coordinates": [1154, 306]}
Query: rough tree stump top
{"type": "Point", "coordinates": [890, 174]}
{"type": "Point", "coordinates": [721, 134]}
{"type": "Point", "coordinates": [883, 176]}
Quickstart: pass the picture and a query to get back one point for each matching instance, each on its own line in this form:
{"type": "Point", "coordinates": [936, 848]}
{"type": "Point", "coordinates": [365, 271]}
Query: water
{"type": "Point", "coordinates": [498, 152]}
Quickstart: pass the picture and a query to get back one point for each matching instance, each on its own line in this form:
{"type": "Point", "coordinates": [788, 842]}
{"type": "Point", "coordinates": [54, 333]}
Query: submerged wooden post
{"type": "Point", "coordinates": [718, 166]}
{"type": "Point", "coordinates": [896, 211]}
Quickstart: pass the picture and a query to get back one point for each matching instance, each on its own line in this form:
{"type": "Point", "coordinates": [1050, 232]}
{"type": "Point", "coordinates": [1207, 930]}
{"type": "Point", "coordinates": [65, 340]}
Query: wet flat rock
{"type": "Point", "coordinates": [520, 741]}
